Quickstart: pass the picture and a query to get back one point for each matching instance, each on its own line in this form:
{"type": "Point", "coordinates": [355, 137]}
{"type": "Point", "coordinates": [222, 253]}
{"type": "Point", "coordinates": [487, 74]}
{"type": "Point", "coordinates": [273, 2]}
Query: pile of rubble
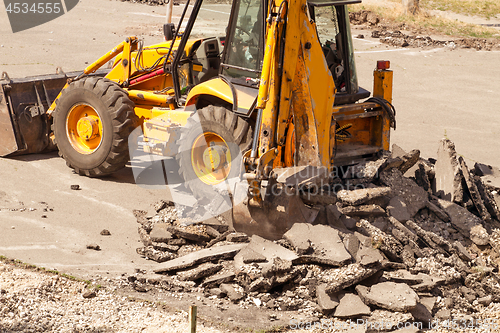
{"type": "Point", "coordinates": [408, 239]}
{"type": "Point", "coordinates": [391, 34]}
{"type": "Point", "coordinates": [400, 39]}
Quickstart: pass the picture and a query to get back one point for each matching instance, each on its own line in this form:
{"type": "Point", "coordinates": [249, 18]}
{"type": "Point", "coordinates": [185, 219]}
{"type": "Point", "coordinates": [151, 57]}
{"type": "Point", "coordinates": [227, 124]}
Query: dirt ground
{"type": "Point", "coordinates": [438, 92]}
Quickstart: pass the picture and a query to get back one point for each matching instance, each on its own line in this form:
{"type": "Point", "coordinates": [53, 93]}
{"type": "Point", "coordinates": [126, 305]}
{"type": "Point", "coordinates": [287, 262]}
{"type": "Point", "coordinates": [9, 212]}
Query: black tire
{"type": "Point", "coordinates": [234, 130]}
{"type": "Point", "coordinates": [113, 109]}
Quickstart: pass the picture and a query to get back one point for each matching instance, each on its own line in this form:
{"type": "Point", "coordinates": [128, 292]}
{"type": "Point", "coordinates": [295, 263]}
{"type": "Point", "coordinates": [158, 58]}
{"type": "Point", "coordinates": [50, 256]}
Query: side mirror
{"type": "Point", "coordinates": [168, 31]}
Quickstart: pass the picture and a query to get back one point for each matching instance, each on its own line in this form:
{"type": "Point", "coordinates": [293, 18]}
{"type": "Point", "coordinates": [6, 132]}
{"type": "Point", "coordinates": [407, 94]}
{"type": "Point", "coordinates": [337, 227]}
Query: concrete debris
{"type": "Point", "coordinates": [218, 279]}
{"type": "Point", "coordinates": [318, 244]}
{"type": "Point", "coordinates": [402, 238]}
{"type": "Point", "coordinates": [232, 292]}
{"type": "Point", "coordinates": [488, 198]}
{"type": "Point", "coordinates": [219, 238]}
{"type": "Point", "coordinates": [269, 250]}
{"type": "Point", "coordinates": [390, 246]}
{"type": "Point", "coordinates": [424, 175]}
{"type": "Point", "coordinates": [408, 160]}
{"type": "Point", "coordinates": [199, 272]}
{"type": "Point", "coordinates": [460, 217]}
{"type": "Point", "coordinates": [237, 237]}
{"type": "Point", "coordinates": [159, 233]}
{"type": "Point", "coordinates": [351, 306]}
{"type": "Point", "coordinates": [196, 233]}
{"type": "Point", "coordinates": [397, 209]}
{"type": "Point", "coordinates": [301, 176]}
{"type": "Point", "coordinates": [384, 321]}
{"type": "Point", "coordinates": [389, 295]}
{"type": "Point", "coordinates": [248, 256]}
{"type": "Point", "coordinates": [363, 195]}
{"type": "Point", "coordinates": [363, 211]}
{"type": "Point", "coordinates": [326, 302]}
{"type": "Point", "coordinates": [368, 256]}
{"type": "Point", "coordinates": [365, 172]}
{"type": "Point", "coordinates": [410, 193]}
{"type": "Point", "coordinates": [93, 246]}
{"type": "Point", "coordinates": [436, 209]}
{"type": "Point", "coordinates": [321, 198]}
{"type": "Point", "coordinates": [157, 255]}
{"type": "Point", "coordinates": [479, 235]}
{"type": "Point", "coordinates": [161, 204]}
{"type": "Point", "coordinates": [421, 313]}
{"type": "Point", "coordinates": [145, 237]}
{"type": "Point", "coordinates": [198, 257]}
{"type": "Point", "coordinates": [474, 192]}
{"type": "Point", "coordinates": [448, 185]}
{"type": "Point", "coordinates": [344, 277]}
{"type": "Point", "coordinates": [105, 232]}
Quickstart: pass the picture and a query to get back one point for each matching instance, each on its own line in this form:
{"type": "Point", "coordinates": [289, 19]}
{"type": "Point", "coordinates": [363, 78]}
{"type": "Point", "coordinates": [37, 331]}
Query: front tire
{"type": "Point", "coordinates": [211, 147]}
{"type": "Point", "coordinates": [92, 121]}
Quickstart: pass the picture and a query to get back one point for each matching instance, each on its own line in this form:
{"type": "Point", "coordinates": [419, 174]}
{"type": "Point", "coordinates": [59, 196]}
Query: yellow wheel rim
{"type": "Point", "coordinates": [84, 128]}
{"type": "Point", "coordinates": [211, 158]}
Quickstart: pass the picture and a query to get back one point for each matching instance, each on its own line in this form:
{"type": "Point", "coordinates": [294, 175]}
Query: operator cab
{"type": "Point", "coordinates": [334, 33]}
{"type": "Point", "coordinates": [238, 56]}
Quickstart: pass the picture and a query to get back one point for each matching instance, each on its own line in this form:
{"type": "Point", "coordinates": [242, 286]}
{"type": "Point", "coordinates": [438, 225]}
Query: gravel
{"type": "Point", "coordinates": [34, 301]}
{"type": "Point", "coordinates": [38, 301]}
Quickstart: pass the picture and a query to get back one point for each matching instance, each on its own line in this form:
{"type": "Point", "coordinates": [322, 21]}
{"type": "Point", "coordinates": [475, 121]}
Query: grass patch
{"type": "Point", "coordinates": [21, 264]}
{"type": "Point", "coordinates": [482, 8]}
{"type": "Point", "coordinates": [423, 20]}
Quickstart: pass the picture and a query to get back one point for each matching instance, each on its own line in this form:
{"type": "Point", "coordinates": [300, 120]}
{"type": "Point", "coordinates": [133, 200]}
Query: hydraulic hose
{"type": "Point", "coordinates": [387, 107]}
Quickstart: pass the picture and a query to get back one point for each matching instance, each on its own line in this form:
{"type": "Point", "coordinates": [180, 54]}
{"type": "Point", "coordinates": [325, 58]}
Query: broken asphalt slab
{"type": "Point", "coordinates": [319, 243]}
{"type": "Point", "coordinates": [460, 217]}
{"type": "Point", "coordinates": [408, 191]}
{"type": "Point", "coordinates": [363, 195]}
{"type": "Point", "coordinates": [201, 256]}
{"type": "Point", "coordinates": [351, 306]}
{"type": "Point", "coordinates": [389, 295]}
{"type": "Point", "coordinates": [448, 172]}
{"type": "Point", "coordinates": [266, 248]}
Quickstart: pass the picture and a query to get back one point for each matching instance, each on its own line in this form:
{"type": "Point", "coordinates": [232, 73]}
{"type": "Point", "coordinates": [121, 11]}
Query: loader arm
{"type": "Point", "coordinates": [302, 73]}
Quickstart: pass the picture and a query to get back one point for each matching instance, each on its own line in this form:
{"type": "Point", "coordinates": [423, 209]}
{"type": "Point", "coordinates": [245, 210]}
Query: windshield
{"type": "Point", "coordinates": [246, 40]}
{"type": "Point", "coordinates": [202, 44]}
{"type": "Point", "coordinates": [335, 49]}
{"type": "Point", "coordinates": [211, 20]}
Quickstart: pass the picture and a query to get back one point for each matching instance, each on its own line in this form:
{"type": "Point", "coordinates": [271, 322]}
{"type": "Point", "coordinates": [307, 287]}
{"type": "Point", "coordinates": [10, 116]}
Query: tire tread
{"type": "Point", "coordinates": [124, 121]}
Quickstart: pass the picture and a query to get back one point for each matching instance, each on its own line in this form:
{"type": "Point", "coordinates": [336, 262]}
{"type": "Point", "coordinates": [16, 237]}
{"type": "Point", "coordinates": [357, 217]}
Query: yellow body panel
{"type": "Point", "coordinates": [269, 89]}
{"type": "Point", "coordinates": [321, 90]}
{"type": "Point", "coordinates": [218, 88]}
{"type": "Point", "coordinates": [307, 91]}
{"type": "Point", "coordinates": [382, 87]}
{"type": "Point", "coordinates": [160, 132]}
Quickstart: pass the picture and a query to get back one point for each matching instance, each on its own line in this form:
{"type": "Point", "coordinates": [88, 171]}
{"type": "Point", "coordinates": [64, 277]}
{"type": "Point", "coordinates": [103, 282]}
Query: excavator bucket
{"type": "Point", "coordinates": [24, 122]}
{"type": "Point", "coordinates": [273, 217]}
{"type": "Point", "coordinates": [281, 206]}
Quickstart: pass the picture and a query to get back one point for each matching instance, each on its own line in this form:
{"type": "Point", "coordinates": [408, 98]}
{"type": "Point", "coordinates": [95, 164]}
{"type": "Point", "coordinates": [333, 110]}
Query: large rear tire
{"type": "Point", "coordinates": [211, 146]}
{"type": "Point", "coordinates": [92, 121]}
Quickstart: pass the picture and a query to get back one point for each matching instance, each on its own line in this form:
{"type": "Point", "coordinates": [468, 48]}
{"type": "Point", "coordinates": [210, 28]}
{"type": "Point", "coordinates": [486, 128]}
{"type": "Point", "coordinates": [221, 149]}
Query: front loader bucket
{"type": "Point", "coordinates": [24, 123]}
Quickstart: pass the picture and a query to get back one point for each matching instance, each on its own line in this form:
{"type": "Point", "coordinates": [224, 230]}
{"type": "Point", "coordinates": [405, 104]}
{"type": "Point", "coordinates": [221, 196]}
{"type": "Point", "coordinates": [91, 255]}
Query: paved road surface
{"type": "Point", "coordinates": [440, 93]}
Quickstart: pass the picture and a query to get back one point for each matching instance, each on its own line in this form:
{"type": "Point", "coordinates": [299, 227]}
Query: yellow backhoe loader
{"type": "Point", "coordinates": [275, 84]}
